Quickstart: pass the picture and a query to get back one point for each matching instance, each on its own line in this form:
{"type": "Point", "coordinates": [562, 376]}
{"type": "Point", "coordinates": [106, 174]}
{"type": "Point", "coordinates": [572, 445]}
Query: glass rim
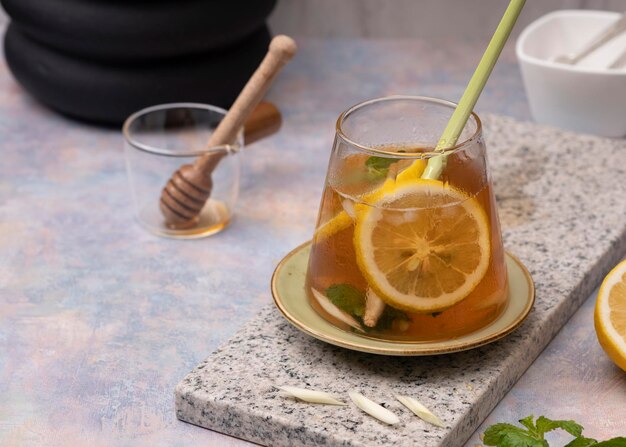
{"type": "Point", "coordinates": [230, 148]}
{"type": "Point", "coordinates": [403, 155]}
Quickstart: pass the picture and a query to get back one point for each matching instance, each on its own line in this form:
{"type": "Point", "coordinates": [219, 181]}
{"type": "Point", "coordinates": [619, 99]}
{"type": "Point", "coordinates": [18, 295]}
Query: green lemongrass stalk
{"type": "Point", "coordinates": [474, 88]}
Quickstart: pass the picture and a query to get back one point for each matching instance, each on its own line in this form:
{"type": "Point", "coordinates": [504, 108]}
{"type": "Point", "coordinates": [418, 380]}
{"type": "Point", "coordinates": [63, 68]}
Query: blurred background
{"type": "Point", "coordinates": [101, 60]}
{"type": "Point", "coordinates": [410, 18]}
{"type": "Point", "coordinates": [405, 18]}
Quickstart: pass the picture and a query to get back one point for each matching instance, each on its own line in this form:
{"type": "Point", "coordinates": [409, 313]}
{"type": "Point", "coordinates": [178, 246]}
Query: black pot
{"type": "Point", "coordinates": [134, 30]}
{"type": "Point", "coordinates": [108, 92]}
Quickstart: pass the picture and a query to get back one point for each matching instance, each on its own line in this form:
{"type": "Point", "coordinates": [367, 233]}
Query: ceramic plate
{"type": "Point", "coordinates": [291, 299]}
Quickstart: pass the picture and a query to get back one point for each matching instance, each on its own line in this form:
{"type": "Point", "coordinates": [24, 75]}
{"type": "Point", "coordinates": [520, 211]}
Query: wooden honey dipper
{"type": "Point", "coordinates": [189, 188]}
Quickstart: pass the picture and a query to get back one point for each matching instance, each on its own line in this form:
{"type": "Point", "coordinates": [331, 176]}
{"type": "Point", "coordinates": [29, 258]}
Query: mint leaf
{"type": "Point", "coordinates": [521, 440]}
{"type": "Point", "coordinates": [388, 316]}
{"type": "Point", "coordinates": [582, 442]}
{"type": "Point", "coordinates": [508, 435]}
{"type": "Point", "coordinates": [529, 423]}
{"type": "Point", "coordinates": [545, 425]}
{"type": "Point", "coordinates": [347, 298]}
{"type": "Point", "coordinates": [379, 163]}
{"type": "Point", "coordinates": [495, 433]}
{"type": "Point", "coordinates": [378, 167]}
{"type": "Point", "coordinates": [615, 442]}
{"type": "Point", "coordinates": [360, 177]}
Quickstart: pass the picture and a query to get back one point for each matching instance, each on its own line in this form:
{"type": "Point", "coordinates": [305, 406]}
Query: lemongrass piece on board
{"type": "Point", "coordinates": [311, 396]}
{"type": "Point", "coordinates": [420, 410]}
{"type": "Point", "coordinates": [373, 409]}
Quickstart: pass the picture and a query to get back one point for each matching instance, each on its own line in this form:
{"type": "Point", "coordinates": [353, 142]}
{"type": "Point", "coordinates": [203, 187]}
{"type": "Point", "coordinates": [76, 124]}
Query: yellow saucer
{"type": "Point", "coordinates": [291, 299]}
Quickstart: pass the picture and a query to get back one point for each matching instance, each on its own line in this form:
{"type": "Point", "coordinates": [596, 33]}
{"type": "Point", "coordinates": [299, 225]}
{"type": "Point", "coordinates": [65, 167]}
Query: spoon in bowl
{"type": "Point", "coordinates": [620, 62]}
{"type": "Point", "coordinates": [609, 33]}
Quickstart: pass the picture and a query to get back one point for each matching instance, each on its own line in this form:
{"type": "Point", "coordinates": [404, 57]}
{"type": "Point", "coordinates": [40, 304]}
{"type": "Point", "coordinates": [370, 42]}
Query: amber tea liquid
{"type": "Point", "coordinates": [336, 284]}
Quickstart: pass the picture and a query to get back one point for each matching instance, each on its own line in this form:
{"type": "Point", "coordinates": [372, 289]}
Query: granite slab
{"type": "Point", "coordinates": [562, 207]}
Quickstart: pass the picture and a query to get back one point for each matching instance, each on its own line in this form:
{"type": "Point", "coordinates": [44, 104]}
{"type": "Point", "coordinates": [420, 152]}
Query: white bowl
{"type": "Point", "coordinates": [587, 97]}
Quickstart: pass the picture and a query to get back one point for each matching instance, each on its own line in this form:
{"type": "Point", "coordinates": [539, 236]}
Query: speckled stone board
{"type": "Point", "coordinates": [562, 203]}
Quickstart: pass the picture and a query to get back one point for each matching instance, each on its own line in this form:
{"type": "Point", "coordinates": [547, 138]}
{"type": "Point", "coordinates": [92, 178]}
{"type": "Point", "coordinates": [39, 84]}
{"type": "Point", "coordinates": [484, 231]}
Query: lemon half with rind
{"type": "Point", "coordinates": [424, 246]}
{"type": "Point", "coordinates": [610, 315]}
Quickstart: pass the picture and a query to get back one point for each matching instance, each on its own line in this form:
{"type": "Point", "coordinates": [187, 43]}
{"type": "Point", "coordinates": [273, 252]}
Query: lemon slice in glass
{"type": "Point", "coordinates": [343, 220]}
{"type": "Point", "coordinates": [422, 247]}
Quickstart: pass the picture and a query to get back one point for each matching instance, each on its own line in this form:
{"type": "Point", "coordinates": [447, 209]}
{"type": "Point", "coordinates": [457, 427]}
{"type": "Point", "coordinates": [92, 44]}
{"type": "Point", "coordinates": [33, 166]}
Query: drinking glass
{"type": "Point", "coordinates": [398, 256]}
{"type": "Point", "coordinates": [159, 140]}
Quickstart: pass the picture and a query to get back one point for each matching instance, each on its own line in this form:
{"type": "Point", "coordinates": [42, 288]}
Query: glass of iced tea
{"type": "Point", "coordinates": [397, 255]}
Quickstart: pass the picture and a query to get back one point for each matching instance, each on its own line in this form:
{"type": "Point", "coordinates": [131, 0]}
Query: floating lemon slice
{"type": "Point", "coordinates": [422, 247]}
{"type": "Point", "coordinates": [339, 222]}
{"type": "Point", "coordinates": [610, 315]}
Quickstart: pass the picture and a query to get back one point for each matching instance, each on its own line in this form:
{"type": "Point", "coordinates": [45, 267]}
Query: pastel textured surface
{"type": "Point", "coordinates": [572, 379]}
{"type": "Point", "coordinates": [551, 189]}
{"type": "Point", "coordinates": [99, 320]}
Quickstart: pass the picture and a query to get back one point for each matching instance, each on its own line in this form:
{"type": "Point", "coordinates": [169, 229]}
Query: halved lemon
{"type": "Point", "coordinates": [423, 247]}
{"type": "Point", "coordinates": [610, 315]}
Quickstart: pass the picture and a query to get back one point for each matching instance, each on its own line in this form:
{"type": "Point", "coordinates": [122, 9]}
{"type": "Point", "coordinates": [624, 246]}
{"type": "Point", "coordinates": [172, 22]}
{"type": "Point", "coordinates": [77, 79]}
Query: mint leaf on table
{"type": "Point", "coordinates": [615, 442]}
{"type": "Point", "coordinates": [582, 442]}
{"type": "Point", "coordinates": [545, 425]}
{"type": "Point", "coordinates": [529, 423]}
{"type": "Point", "coordinates": [508, 435]}
{"type": "Point", "coordinates": [347, 298]}
{"type": "Point", "coordinates": [521, 440]}
{"type": "Point", "coordinates": [587, 442]}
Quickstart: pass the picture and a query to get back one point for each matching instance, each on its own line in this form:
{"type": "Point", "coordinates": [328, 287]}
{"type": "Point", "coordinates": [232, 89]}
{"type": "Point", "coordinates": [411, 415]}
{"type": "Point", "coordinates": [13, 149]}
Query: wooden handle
{"type": "Point", "coordinates": [187, 191]}
{"type": "Point", "coordinates": [282, 49]}
{"type": "Point", "coordinates": [264, 120]}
